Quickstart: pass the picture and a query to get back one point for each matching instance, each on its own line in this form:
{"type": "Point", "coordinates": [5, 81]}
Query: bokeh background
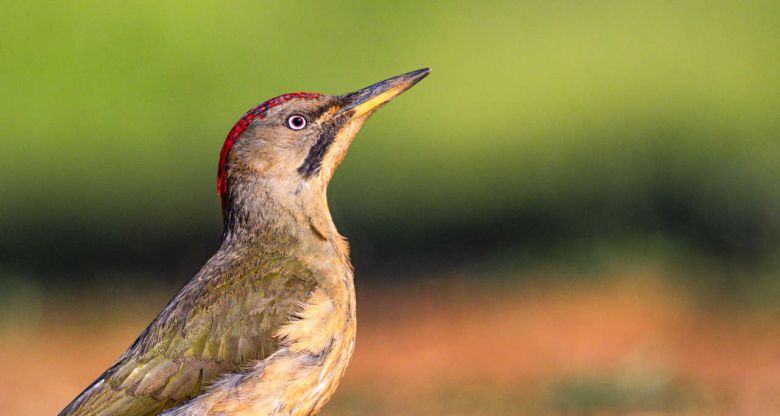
{"type": "Point", "coordinates": [576, 213]}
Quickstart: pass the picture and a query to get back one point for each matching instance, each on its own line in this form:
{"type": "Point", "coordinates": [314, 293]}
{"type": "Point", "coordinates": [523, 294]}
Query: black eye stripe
{"type": "Point", "coordinates": [313, 161]}
{"type": "Point", "coordinates": [320, 111]}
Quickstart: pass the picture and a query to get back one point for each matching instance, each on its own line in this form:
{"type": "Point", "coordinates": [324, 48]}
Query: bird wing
{"type": "Point", "coordinates": [223, 320]}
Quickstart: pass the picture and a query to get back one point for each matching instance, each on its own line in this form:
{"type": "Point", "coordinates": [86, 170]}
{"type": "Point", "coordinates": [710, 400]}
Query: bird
{"type": "Point", "coordinates": [268, 324]}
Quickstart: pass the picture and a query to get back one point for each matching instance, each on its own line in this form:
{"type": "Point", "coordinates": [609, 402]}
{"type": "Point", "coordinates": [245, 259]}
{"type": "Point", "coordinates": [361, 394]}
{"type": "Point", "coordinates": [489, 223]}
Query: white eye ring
{"type": "Point", "coordinates": [296, 122]}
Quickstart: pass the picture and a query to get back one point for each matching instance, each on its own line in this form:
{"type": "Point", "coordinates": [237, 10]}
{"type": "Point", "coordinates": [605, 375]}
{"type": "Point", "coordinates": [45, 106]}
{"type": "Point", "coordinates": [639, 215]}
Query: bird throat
{"type": "Point", "coordinates": [279, 214]}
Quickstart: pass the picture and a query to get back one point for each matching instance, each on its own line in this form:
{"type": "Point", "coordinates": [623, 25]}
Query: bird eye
{"type": "Point", "coordinates": [296, 122]}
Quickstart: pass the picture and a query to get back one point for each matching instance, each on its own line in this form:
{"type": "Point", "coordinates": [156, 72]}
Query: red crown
{"type": "Point", "coordinates": [241, 125]}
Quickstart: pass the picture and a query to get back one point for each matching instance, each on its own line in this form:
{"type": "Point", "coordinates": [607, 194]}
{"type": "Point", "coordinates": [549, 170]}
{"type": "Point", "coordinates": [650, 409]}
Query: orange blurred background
{"type": "Point", "coordinates": [576, 213]}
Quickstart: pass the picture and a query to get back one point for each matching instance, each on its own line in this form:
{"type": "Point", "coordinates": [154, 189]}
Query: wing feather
{"type": "Point", "coordinates": [221, 322]}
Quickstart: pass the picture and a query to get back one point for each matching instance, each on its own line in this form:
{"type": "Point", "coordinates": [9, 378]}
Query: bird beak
{"type": "Point", "coordinates": [364, 102]}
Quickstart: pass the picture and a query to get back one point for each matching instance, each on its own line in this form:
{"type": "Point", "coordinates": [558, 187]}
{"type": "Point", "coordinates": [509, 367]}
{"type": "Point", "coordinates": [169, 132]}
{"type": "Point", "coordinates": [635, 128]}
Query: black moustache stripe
{"type": "Point", "coordinates": [313, 162]}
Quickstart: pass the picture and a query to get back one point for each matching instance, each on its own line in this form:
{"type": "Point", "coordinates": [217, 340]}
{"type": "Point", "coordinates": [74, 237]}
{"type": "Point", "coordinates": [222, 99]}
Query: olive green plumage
{"type": "Point", "coordinates": [268, 326]}
{"type": "Point", "coordinates": [223, 320]}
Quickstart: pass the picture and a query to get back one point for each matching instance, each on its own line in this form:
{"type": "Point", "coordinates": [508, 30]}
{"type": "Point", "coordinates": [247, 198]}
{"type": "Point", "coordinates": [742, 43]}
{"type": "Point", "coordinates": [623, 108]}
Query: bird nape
{"type": "Point", "coordinates": [267, 326]}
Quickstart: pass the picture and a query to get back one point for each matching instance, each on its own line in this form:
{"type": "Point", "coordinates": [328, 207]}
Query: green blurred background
{"type": "Point", "coordinates": [552, 139]}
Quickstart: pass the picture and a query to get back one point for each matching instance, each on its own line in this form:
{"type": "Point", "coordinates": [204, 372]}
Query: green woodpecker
{"type": "Point", "coordinates": [267, 326]}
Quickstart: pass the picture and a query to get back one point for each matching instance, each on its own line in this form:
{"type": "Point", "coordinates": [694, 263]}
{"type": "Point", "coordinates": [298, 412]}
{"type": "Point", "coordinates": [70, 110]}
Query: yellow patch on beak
{"type": "Point", "coordinates": [363, 102]}
{"type": "Point", "coordinates": [374, 103]}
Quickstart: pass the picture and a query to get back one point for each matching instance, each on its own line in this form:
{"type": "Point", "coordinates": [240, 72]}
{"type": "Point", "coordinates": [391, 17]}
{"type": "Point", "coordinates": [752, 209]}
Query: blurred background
{"type": "Point", "coordinates": [576, 213]}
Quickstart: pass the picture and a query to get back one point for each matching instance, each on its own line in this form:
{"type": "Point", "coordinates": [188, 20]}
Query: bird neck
{"type": "Point", "coordinates": [280, 214]}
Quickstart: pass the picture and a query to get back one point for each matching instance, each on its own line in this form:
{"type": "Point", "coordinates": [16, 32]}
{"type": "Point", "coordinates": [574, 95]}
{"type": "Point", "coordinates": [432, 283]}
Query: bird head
{"type": "Point", "coordinates": [291, 145]}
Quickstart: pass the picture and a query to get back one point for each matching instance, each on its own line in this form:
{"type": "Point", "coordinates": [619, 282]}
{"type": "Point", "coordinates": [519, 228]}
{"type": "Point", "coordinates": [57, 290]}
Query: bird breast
{"type": "Point", "coordinates": [301, 376]}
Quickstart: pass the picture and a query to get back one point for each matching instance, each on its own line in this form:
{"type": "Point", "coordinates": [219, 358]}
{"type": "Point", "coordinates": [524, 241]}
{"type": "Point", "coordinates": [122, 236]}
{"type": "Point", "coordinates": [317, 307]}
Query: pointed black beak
{"type": "Point", "coordinates": [364, 102]}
